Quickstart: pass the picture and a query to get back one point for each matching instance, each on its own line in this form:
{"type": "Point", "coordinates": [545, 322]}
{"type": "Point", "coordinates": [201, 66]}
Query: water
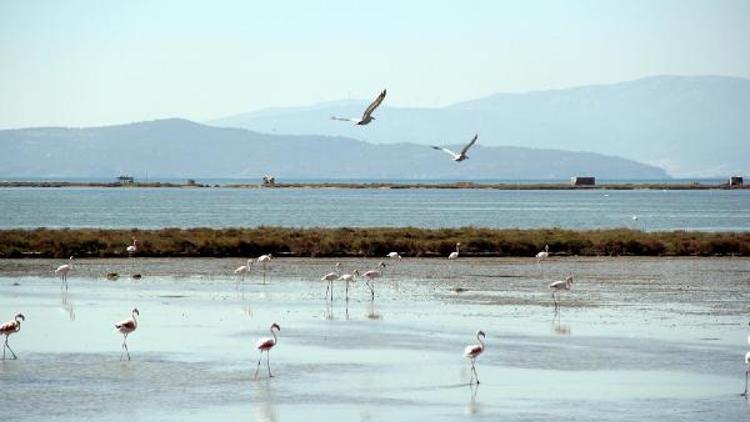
{"type": "Point", "coordinates": [715, 210]}
{"type": "Point", "coordinates": [637, 339]}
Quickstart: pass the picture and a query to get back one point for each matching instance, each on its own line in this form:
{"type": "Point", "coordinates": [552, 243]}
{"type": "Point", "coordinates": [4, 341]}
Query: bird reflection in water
{"type": "Point", "coordinates": [67, 305]}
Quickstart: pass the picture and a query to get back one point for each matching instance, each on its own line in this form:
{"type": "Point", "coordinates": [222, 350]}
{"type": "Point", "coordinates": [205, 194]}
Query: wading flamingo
{"type": "Point", "coordinates": [394, 255]}
{"type": "Point", "coordinates": [560, 286]}
{"type": "Point", "coordinates": [264, 260]}
{"type": "Point", "coordinates": [241, 271]}
{"type": "Point", "coordinates": [126, 327]}
{"type": "Point", "coordinates": [454, 254]}
{"type": "Point", "coordinates": [63, 271]}
{"type": "Point", "coordinates": [371, 276]}
{"type": "Point", "coordinates": [132, 249]}
{"type": "Point", "coordinates": [330, 277]}
{"type": "Point", "coordinates": [472, 352]}
{"type": "Point", "coordinates": [367, 115]}
{"type": "Point", "coordinates": [349, 278]}
{"type": "Point", "coordinates": [747, 370]}
{"type": "Point", "coordinates": [265, 345]}
{"type": "Point", "coordinates": [10, 327]}
{"type": "Point", "coordinates": [541, 256]}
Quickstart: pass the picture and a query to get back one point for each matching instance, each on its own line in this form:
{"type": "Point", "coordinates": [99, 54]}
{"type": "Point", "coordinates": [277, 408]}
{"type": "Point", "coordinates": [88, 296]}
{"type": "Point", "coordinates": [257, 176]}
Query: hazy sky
{"type": "Point", "coordinates": [80, 63]}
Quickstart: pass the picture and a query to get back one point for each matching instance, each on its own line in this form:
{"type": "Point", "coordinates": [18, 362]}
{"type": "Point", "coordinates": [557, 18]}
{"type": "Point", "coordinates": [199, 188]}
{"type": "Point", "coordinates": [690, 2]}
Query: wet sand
{"type": "Point", "coordinates": [637, 339]}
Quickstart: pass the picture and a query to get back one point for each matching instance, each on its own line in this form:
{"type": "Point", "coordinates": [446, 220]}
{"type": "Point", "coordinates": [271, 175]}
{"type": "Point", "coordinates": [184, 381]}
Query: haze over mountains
{"type": "Point", "coordinates": [181, 148]}
{"type": "Point", "coordinates": [695, 126]}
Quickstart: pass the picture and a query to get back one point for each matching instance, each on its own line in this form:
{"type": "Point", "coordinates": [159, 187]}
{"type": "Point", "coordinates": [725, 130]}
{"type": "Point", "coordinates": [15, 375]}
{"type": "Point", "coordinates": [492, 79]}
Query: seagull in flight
{"type": "Point", "coordinates": [367, 115]}
{"type": "Point", "coordinates": [462, 155]}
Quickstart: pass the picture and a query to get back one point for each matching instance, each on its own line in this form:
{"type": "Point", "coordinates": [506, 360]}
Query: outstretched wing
{"type": "Point", "coordinates": [445, 149]}
{"type": "Point", "coordinates": [472, 142]}
{"type": "Point", "coordinates": [344, 119]}
{"type": "Point", "coordinates": [373, 106]}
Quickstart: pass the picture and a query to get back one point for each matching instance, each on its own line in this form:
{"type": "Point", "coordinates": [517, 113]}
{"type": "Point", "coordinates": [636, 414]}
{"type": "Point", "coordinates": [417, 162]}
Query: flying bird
{"type": "Point", "coordinates": [367, 115]}
{"type": "Point", "coordinates": [10, 327]}
{"type": "Point", "coordinates": [126, 327]}
{"type": "Point", "coordinates": [461, 155]}
{"type": "Point", "coordinates": [472, 352]}
{"type": "Point", "coordinates": [265, 345]}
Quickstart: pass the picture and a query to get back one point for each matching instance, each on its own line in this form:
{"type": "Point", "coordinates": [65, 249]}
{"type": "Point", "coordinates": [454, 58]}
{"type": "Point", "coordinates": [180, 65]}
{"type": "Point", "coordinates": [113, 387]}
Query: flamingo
{"type": "Point", "coordinates": [472, 352]}
{"type": "Point", "coordinates": [349, 278]}
{"type": "Point", "coordinates": [458, 157]}
{"type": "Point", "coordinates": [241, 271]}
{"type": "Point", "coordinates": [454, 254]}
{"type": "Point", "coordinates": [132, 249]}
{"type": "Point", "coordinates": [371, 276]}
{"type": "Point", "coordinates": [747, 369]}
{"type": "Point", "coordinates": [126, 327]}
{"type": "Point", "coordinates": [265, 345]}
{"type": "Point", "coordinates": [367, 115]}
{"type": "Point", "coordinates": [63, 271]}
{"type": "Point", "coordinates": [264, 260]}
{"type": "Point", "coordinates": [10, 327]}
{"type": "Point", "coordinates": [394, 255]}
{"type": "Point", "coordinates": [560, 286]}
{"type": "Point", "coordinates": [541, 256]}
{"type": "Point", "coordinates": [330, 277]}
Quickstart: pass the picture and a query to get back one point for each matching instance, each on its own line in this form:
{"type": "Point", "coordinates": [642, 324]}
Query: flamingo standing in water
{"type": "Point", "coordinates": [10, 327]}
{"type": "Point", "coordinates": [394, 255]}
{"type": "Point", "coordinates": [264, 260]}
{"type": "Point", "coordinates": [560, 286]}
{"type": "Point", "coordinates": [371, 276]}
{"type": "Point", "coordinates": [242, 270]}
{"type": "Point", "coordinates": [126, 327]}
{"type": "Point", "coordinates": [265, 345]}
{"type": "Point", "coordinates": [330, 277]}
{"type": "Point", "coordinates": [349, 278]}
{"type": "Point", "coordinates": [132, 249]}
{"type": "Point", "coordinates": [747, 369]}
{"type": "Point", "coordinates": [454, 254]}
{"type": "Point", "coordinates": [63, 271]}
{"type": "Point", "coordinates": [541, 256]}
{"type": "Point", "coordinates": [472, 352]}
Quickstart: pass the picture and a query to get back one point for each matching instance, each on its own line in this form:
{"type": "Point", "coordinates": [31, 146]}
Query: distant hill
{"type": "Point", "coordinates": [691, 126]}
{"type": "Point", "coordinates": [181, 148]}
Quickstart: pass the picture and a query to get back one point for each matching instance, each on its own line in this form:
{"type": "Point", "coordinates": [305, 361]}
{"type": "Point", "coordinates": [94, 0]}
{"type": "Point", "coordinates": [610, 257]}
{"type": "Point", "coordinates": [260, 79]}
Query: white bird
{"type": "Point", "coordinates": [541, 256]}
{"type": "Point", "coordinates": [126, 327]}
{"type": "Point", "coordinates": [635, 218]}
{"type": "Point", "coordinates": [242, 270]}
{"type": "Point", "coordinates": [349, 278]}
{"type": "Point", "coordinates": [461, 155]}
{"type": "Point", "coordinates": [394, 255]}
{"type": "Point", "coordinates": [371, 276]}
{"type": "Point", "coordinates": [63, 271]}
{"type": "Point", "coordinates": [132, 249]}
{"type": "Point", "coordinates": [264, 260]}
{"type": "Point", "coordinates": [472, 352]}
{"type": "Point", "coordinates": [454, 254]}
{"type": "Point", "coordinates": [747, 370]}
{"type": "Point", "coordinates": [265, 345]}
{"type": "Point", "coordinates": [560, 286]}
{"type": "Point", "coordinates": [330, 277]}
{"type": "Point", "coordinates": [367, 115]}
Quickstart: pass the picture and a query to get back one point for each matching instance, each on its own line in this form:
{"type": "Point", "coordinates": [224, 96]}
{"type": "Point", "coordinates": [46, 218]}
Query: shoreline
{"type": "Point", "coordinates": [366, 242]}
{"type": "Point", "coordinates": [377, 185]}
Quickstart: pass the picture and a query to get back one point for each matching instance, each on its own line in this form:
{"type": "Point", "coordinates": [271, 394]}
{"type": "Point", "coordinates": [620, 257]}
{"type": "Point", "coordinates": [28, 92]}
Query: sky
{"type": "Point", "coordinates": [92, 63]}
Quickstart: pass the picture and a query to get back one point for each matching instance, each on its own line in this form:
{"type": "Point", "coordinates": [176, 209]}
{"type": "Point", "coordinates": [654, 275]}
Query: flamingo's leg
{"type": "Point", "coordinates": [4, 346]}
{"type": "Point", "coordinates": [474, 370]}
{"type": "Point", "coordinates": [747, 370]}
{"type": "Point", "coordinates": [258, 367]}
{"type": "Point", "coordinates": [268, 363]}
{"type": "Point", "coordinates": [11, 350]}
{"type": "Point", "coordinates": [328, 287]}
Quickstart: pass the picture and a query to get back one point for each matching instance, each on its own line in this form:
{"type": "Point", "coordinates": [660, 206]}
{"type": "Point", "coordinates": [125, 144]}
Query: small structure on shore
{"type": "Point", "coordinates": [125, 180]}
{"type": "Point", "coordinates": [269, 180]}
{"type": "Point", "coordinates": [735, 181]}
{"type": "Point", "coordinates": [583, 181]}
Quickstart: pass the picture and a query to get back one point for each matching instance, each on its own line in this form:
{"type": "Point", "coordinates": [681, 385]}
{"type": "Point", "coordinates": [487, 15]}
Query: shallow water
{"type": "Point", "coordinates": [715, 210]}
{"type": "Point", "coordinates": [636, 339]}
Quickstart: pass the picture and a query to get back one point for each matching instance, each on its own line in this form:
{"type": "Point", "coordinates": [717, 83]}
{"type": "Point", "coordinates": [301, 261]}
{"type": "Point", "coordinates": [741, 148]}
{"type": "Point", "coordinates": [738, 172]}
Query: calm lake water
{"type": "Point", "coordinates": [717, 210]}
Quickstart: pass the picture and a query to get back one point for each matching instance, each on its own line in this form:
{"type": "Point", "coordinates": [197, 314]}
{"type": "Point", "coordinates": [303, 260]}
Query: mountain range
{"type": "Point", "coordinates": [692, 126]}
{"type": "Point", "coordinates": [181, 148]}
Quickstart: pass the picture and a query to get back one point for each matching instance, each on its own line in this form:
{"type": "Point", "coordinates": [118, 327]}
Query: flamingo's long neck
{"type": "Point", "coordinates": [457, 249]}
{"type": "Point", "coordinates": [481, 343]}
{"type": "Point", "coordinates": [132, 315]}
{"type": "Point", "coordinates": [71, 263]}
{"type": "Point", "coordinates": [18, 324]}
{"type": "Point", "coordinates": [275, 339]}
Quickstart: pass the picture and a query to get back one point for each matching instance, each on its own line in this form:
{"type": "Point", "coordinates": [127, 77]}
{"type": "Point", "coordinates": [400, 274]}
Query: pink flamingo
{"type": "Point", "coordinates": [330, 277]}
{"type": "Point", "coordinates": [63, 271]}
{"type": "Point", "coordinates": [371, 276]}
{"type": "Point", "coordinates": [126, 327]}
{"type": "Point", "coordinates": [264, 260]}
{"type": "Point", "coordinates": [560, 286]}
{"type": "Point", "coordinates": [10, 327]}
{"type": "Point", "coordinates": [265, 345]}
{"type": "Point", "coordinates": [472, 352]}
{"type": "Point", "coordinates": [132, 249]}
{"type": "Point", "coordinates": [349, 278]}
{"type": "Point", "coordinates": [244, 269]}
